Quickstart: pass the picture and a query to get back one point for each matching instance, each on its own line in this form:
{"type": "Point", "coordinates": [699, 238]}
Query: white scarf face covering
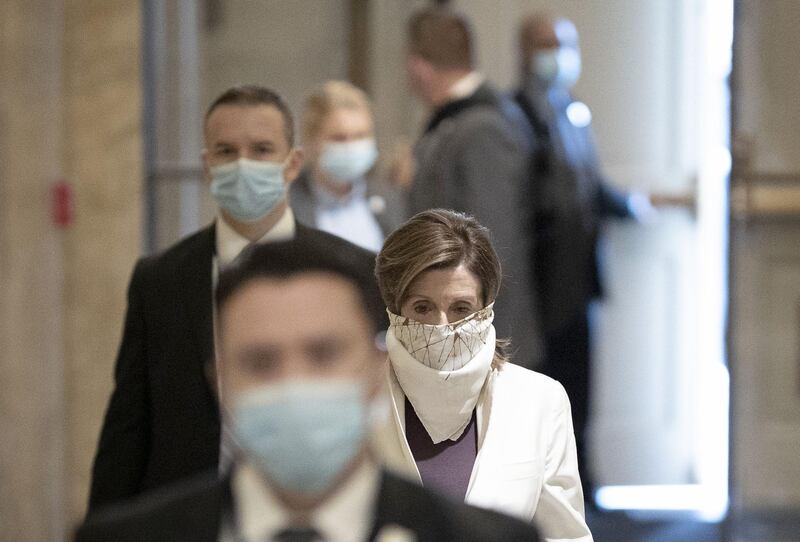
{"type": "Point", "coordinates": [442, 368]}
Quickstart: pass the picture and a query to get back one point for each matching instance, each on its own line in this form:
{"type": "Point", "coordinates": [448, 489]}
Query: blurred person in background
{"type": "Point", "coordinates": [571, 198]}
{"type": "Point", "coordinates": [334, 192]}
{"type": "Point", "coordinates": [301, 370]}
{"type": "Point", "coordinates": [474, 157]}
{"type": "Point", "coordinates": [464, 419]}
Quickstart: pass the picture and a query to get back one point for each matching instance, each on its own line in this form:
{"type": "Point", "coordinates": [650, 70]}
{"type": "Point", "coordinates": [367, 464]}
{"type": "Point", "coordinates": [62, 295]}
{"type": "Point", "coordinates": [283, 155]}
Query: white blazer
{"type": "Point", "coordinates": [526, 464]}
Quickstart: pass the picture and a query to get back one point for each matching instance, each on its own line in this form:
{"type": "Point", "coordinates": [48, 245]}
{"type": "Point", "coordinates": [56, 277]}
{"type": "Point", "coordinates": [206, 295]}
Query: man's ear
{"type": "Point", "coordinates": [419, 67]}
{"type": "Point", "coordinates": [292, 169]}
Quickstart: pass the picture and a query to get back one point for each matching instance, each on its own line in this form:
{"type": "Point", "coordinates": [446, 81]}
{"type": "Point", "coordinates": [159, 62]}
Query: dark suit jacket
{"type": "Point", "coordinates": [571, 197]}
{"type": "Point", "coordinates": [162, 423]}
{"type": "Point", "coordinates": [194, 511]}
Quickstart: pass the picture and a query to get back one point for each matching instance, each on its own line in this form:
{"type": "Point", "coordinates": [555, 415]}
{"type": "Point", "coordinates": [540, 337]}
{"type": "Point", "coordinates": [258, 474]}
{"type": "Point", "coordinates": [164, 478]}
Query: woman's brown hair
{"type": "Point", "coordinates": [439, 239]}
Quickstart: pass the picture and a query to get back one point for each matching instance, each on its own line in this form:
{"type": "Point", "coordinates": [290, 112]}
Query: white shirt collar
{"type": "Point", "coordinates": [230, 243]}
{"type": "Point", "coordinates": [346, 516]}
{"type": "Point", "coordinates": [326, 198]}
{"type": "Point", "coordinates": [466, 86]}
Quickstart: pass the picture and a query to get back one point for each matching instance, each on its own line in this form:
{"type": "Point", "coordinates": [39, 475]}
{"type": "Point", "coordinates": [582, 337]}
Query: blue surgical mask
{"type": "Point", "coordinates": [248, 189]}
{"type": "Point", "coordinates": [303, 433]}
{"type": "Point", "coordinates": [557, 67]}
{"type": "Point", "coordinates": [346, 162]}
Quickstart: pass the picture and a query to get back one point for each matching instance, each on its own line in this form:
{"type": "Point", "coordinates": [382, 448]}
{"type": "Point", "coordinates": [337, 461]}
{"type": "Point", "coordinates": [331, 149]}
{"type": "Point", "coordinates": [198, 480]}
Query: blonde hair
{"type": "Point", "coordinates": [330, 96]}
{"type": "Point", "coordinates": [439, 239]}
{"type": "Point", "coordinates": [442, 37]}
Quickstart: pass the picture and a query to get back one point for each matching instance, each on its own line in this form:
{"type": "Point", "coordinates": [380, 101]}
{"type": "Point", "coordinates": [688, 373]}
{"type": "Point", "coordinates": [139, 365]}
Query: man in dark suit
{"type": "Point", "coordinates": [474, 157]}
{"type": "Point", "coordinates": [162, 422]}
{"type": "Point", "coordinates": [301, 373]}
{"type": "Point", "coordinates": [571, 198]}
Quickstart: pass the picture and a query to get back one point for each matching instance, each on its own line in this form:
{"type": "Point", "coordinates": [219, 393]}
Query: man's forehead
{"type": "Point", "coordinates": [308, 296]}
{"type": "Point", "coordinates": [229, 118]}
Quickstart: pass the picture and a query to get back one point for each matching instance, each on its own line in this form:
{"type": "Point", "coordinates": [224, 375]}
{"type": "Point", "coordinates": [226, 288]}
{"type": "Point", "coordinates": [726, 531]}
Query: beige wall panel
{"type": "Point", "coordinates": [769, 110]}
{"type": "Point", "coordinates": [287, 46]}
{"type": "Point", "coordinates": [765, 269]}
{"type": "Point", "coordinates": [103, 160]}
{"type": "Point", "coordinates": [399, 115]}
{"type": "Point", "coordinates": [31, 393]}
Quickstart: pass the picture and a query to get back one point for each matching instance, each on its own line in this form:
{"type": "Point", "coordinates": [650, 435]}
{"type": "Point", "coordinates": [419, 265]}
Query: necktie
{"type": "Point", "coordinates": [297, 534]}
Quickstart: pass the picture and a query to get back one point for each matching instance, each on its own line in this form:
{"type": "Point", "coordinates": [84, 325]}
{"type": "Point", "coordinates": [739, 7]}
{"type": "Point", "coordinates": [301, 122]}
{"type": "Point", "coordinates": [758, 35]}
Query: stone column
{"type": "Point", "coordinates": [70, 109]}
{"type": "Point", "coordinates": [31, 277]}
{"type": "Point", "coordinates": [103, 161]}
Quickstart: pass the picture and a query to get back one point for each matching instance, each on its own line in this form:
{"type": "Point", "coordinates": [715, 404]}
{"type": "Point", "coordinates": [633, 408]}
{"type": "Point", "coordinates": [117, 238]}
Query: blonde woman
{"type": "Point", "coordinates": [333, 192]}
{"type": "Point", "coordinates": [464, 419]}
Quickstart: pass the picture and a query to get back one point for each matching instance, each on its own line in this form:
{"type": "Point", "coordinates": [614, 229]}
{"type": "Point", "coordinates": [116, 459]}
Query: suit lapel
{"type": "Point", "coordinates": [207, 512]}
{"type": "Point", "coordinates": [502, 481]}
{"type": "Point", "coordinates": [301, 200]}
{"type": "Point", "coordinates": [389, 439]}
{"type": "Point", "coordinates": [485, 431]}
{"type": "Point", "coordinates": [481, 96]}
{"type": "Point", "coordinates": [301, 231]}
{"type": "Point", "coordinates": [400, 516]}
{"type": "Point", "coordinates": [198, 295]}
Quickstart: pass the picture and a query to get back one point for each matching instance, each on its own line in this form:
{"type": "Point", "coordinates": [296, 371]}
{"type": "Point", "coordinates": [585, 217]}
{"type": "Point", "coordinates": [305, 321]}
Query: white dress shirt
{"type": "Point", "coordinates": [230, 243]}
{"type": "Point", "coordinates": [349, 217]}
{"type": "Point", "coordinates": [466, 86]}
{"type": "Point", "coordinates": [346, 516]}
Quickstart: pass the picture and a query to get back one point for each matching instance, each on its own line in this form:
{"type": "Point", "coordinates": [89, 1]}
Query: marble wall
{"type": "Point", "coordinates": [70, 109]}
{"type": "Point", "coordinates": [31, 277]}
{"type": "Point", "coordinates": [103, 160]}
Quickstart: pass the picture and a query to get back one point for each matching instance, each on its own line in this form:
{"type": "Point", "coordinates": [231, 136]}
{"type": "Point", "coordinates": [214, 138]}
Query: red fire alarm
{"type": "Point", "coordinates": [62, 203]}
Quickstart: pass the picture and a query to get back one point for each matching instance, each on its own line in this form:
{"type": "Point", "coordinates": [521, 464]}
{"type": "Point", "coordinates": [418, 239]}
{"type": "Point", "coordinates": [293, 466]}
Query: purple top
{"type": "Point", "coordinates": [445, 467]}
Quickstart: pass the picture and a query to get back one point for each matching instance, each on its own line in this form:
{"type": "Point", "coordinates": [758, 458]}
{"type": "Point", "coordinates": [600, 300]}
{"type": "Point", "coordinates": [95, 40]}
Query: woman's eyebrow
{"type": "Point", "coordinates": [465, 296]}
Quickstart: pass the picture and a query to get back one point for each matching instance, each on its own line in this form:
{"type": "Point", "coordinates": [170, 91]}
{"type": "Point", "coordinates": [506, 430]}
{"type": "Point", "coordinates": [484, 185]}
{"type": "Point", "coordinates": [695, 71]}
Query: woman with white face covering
{"type": "Point", "coordinates": [333, 193]}
{"type": "Point", "coordinates": [465, 420]}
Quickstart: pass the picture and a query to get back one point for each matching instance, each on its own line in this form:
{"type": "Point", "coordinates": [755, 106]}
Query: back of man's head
{"type": "Point", "coordinates": [541, 30]}
{"type": "Point", "coordinates": [442, 37]}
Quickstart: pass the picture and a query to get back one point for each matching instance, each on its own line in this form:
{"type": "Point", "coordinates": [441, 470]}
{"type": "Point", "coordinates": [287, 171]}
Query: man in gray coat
{"type": "Point", "coordinates": [474, 157]}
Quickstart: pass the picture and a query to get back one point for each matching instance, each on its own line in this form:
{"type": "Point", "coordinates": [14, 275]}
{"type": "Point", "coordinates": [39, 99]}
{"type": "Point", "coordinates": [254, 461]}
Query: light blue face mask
{"type": "Point", "coordinates": [303, 433]}
{"type": "Point", "coordinates": [557, 67]}
{"type": "Point", "coordinates": [248, 189]}
{"type": "Point", "coordinates": [346, 162]}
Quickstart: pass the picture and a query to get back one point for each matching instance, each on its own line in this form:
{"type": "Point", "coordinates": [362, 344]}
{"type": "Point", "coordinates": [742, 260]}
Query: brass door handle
{"type": "Point", "coordinates": [760, 195]}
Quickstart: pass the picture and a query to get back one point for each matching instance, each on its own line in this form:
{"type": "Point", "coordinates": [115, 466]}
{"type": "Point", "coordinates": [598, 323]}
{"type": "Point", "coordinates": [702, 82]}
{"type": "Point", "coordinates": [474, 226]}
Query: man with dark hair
{"type": "Point", "coordinates": [162, 422]}
{"type": "Point", "coordinates": [441, 37]}
{"type": "Point", "coordinates": [474, 157]}
{"type": "Point", "coordinates": [301, 373]}
{"type": "Point", "coordinates": [255, 95]}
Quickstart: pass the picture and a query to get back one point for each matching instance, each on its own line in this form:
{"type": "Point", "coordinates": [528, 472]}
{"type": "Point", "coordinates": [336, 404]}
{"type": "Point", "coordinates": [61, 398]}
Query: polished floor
{"type": "Point", "coordinates": [621, 527]}
{"type": "Point", "coordinates": [624, 527]}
